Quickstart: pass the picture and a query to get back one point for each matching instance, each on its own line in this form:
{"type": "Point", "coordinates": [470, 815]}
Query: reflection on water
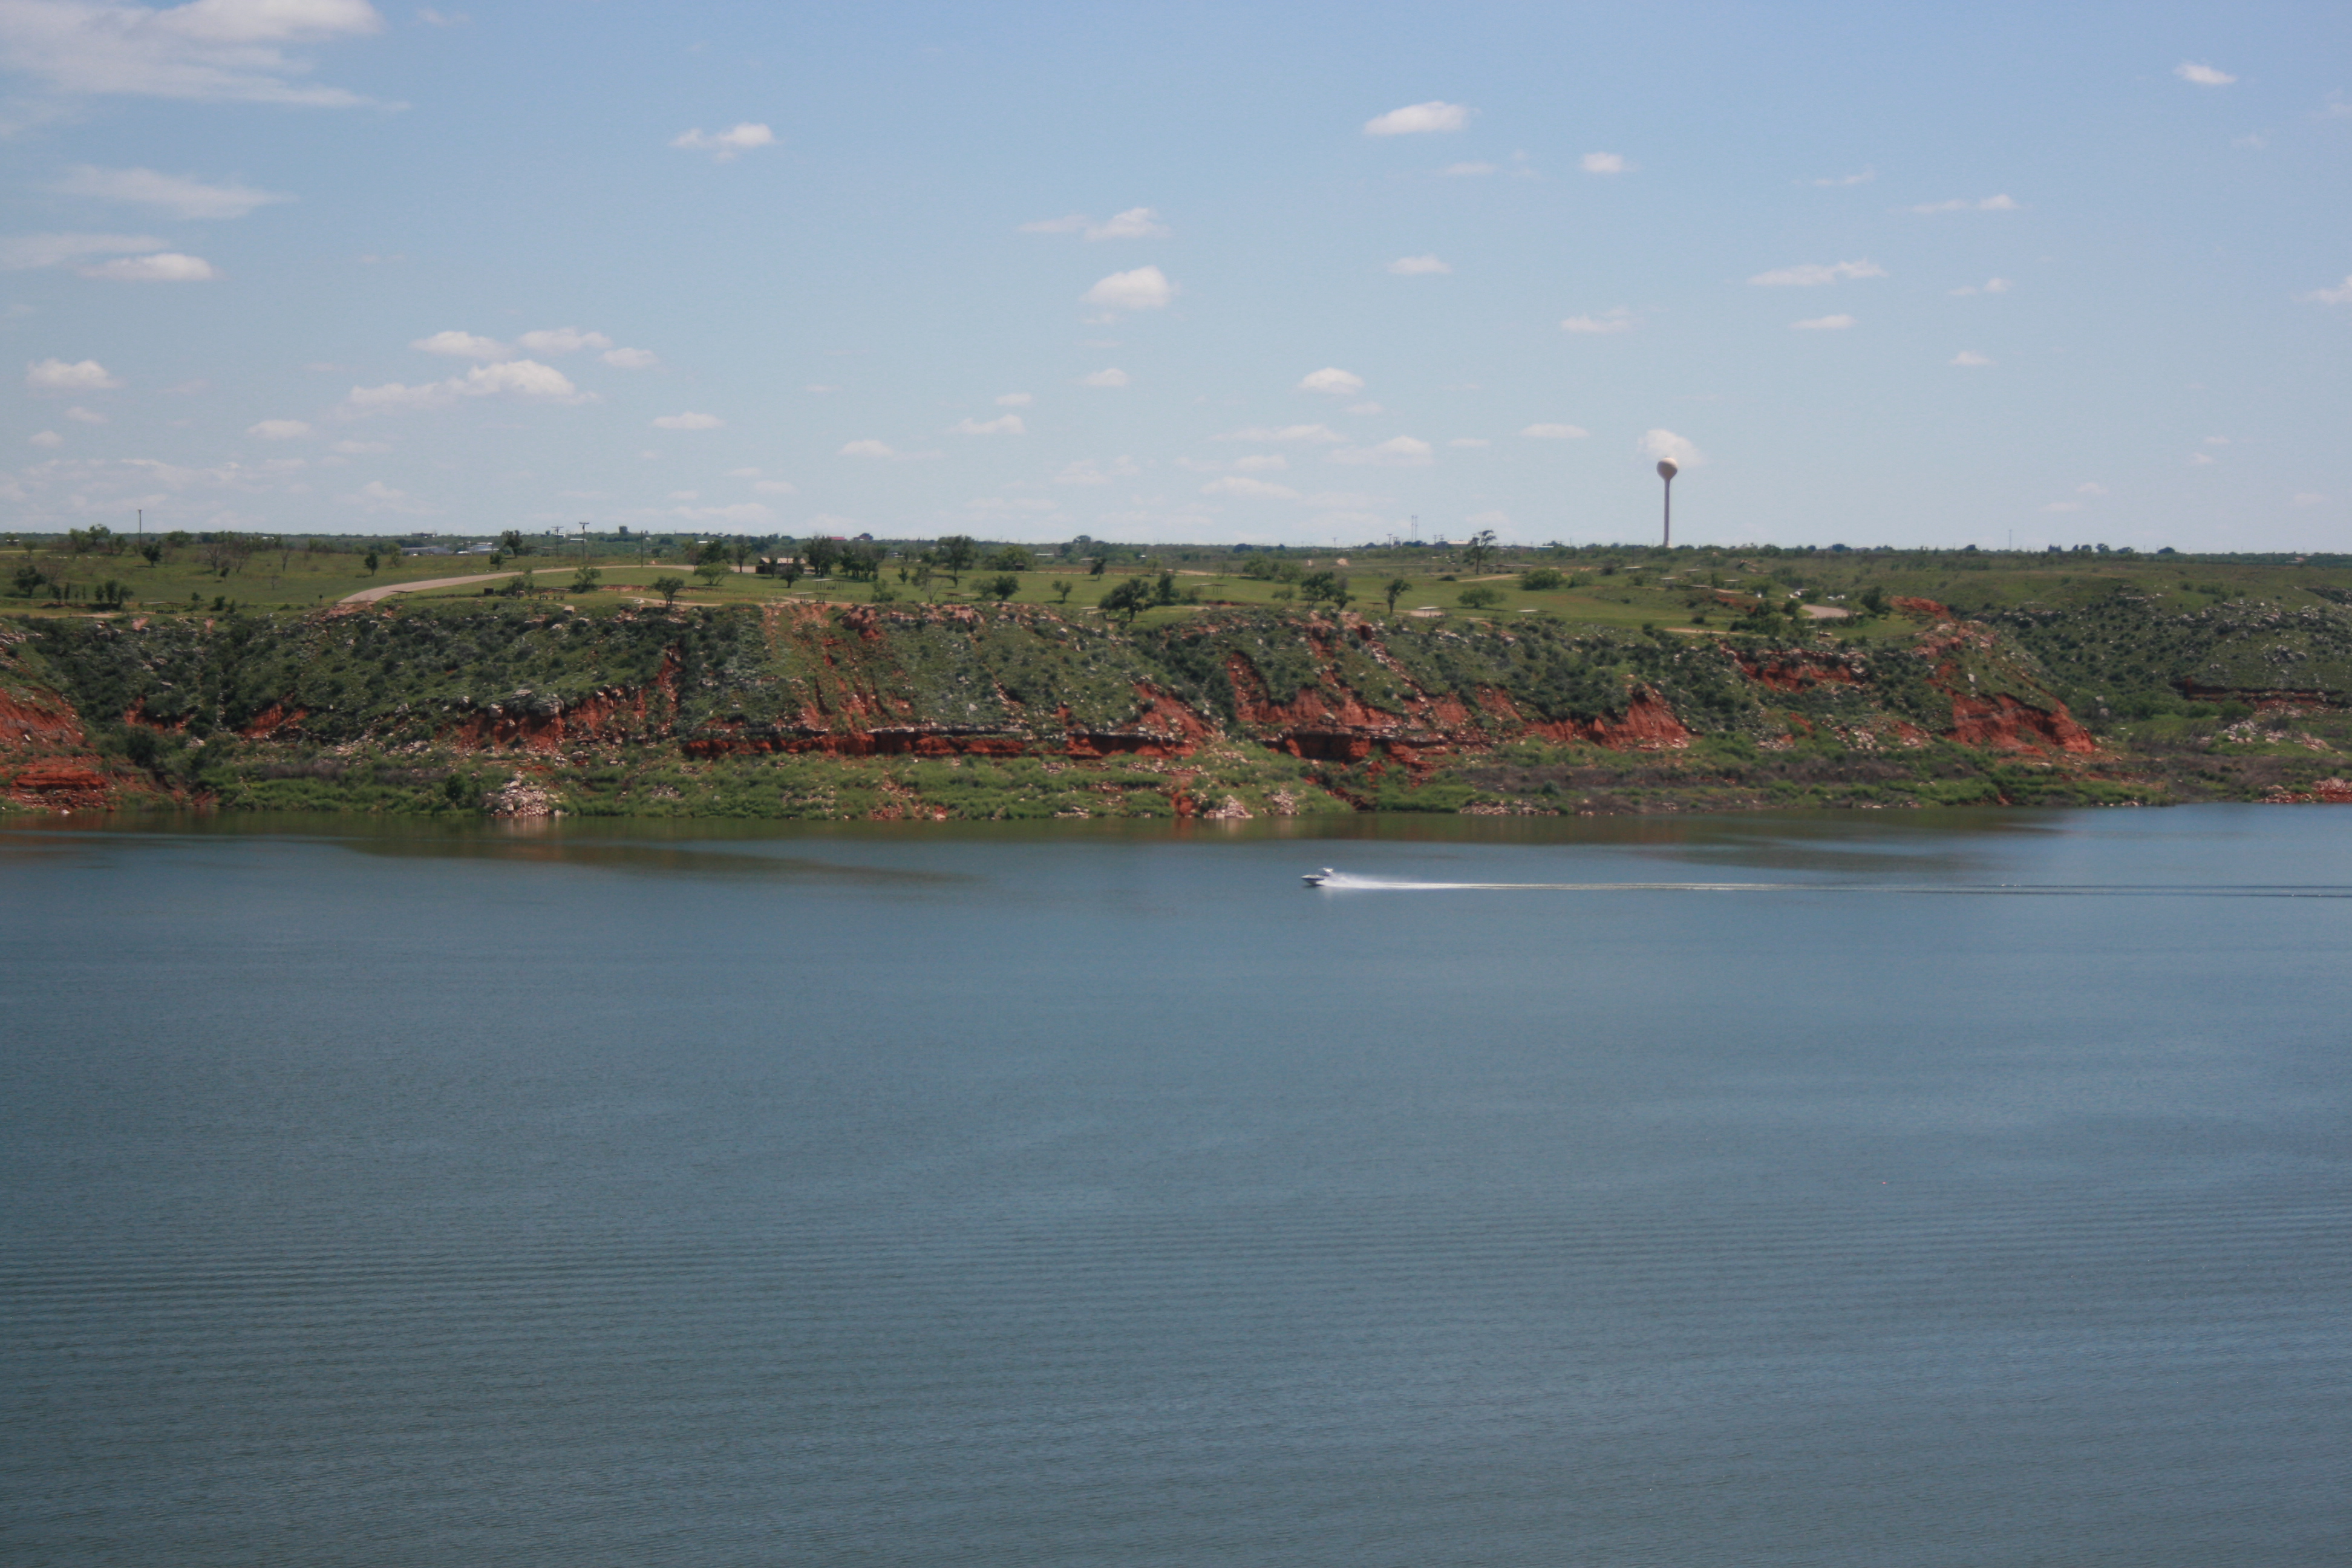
{"type": "Point", "coordinates": [704, 1193]}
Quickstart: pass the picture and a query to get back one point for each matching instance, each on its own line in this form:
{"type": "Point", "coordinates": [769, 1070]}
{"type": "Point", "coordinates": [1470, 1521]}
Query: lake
{"type": "Point", "coordinates": [1947, 1188]}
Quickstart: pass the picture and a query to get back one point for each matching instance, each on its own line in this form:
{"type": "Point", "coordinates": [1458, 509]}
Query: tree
{"type": "Point", "coordinates": [1873, 600]}
{"type": "Point", "coordinates": [370, 561]}
{"type": "Point", "coordinates": [1396, 586]}
{"type": "Point", "coordinates": [1479, 599]}
{"type": "Point", "coordinates": [27, 580]}
{"type": "Point", "coordinates": [712, 571]}
{"type": "Point", "coordinates": [668, 588]}
{"type": "Point", "coordinates": [1480, 549]}
{"type": "Point", "coordinates": [820, 552]}
{"type": "Point", "coordinates": [956, 553]}
{"type": "Point", "coordinates": [585, 579]}
{"type": "Point", "coordinates": [111, 594]}
{"type": "Point", "coordinates": [713, 553]}
{"type": "Point", "coordinates": [1062, 592]}
{"type": "Point", "coordinates": [740, 551]}
{"type": "Point", "coordinates": [1094, 567]}
{"type": "Point", "coordinates": [1128, 599]}
{"type": "Point", "coordinates": [151, 551]}
{"type": "Point", "coordinates": [512, 543]}
{"type": "Point", "coordinates": [1320, 585]}
{"type": "Point", "coordinates": [1542, 579]}
{"type": "Point", "coordinates": [1000, 587]}
{"type": "Point", "coordinates": [1008, 558]}
{"type": "Point", "coordinates": [789, 569]}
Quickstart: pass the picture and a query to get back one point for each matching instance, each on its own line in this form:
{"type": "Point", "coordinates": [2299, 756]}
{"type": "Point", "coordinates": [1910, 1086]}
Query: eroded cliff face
{"type": "Point", "coordinates": [1340, 693]}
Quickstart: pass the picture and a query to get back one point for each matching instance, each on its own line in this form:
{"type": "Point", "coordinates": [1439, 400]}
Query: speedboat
{"type": "Point", "coordinates": [1316, 879]}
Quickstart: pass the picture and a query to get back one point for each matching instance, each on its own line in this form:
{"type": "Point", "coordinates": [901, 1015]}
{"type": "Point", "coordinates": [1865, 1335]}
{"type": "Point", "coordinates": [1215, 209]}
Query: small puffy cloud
{"type": "Point", "coordinates": [461, 346]}
{"type": "Point", "coordinates": [563, 340]}
{"type": "Point", "coordinates": [1015, 400]}
{"type": "Point", "coordinates": [1961, 203]}
{"type": "Point", "coordinates": [2342, 296]}
{"type": "Point", "coordinates": [1135, 223]}
{"type": "Point", "coordinates": [1468, 441]}
{"type": "Point", "coordinates": [1111, 376]}
{"type": "Point", "coordinates": [1620, 319]}
{"type": "Point", "coordinates": [1094, 471]}
{"type": "Point", "coordinates": [1554, 433]}
{"type": "Point", "coordinates": [523, 378]}
{"type": "Point", "coordinates": [1260, 463]}
{"type": "Point", "coordinates": [25, 252]}
{"type": "Point", "coordinates": [57, 375]}
{"type": "Point", "coordinates": [1396, 452]}
{"type": "Point", "coordinates": [279, 429]}
{"type": "Point", "coordinates": [2202, 76]}
{"type": "Point", "coordinates": [1812, 274]}
{"type": "Point", "coordinates": [1242, 485]}
{"type": "Point", "coordinates": [1862, 179]}
{"type": "Point", "coordinates": [1333, 380]}
{"type": "Point", "coordinates": [630, 359]}
{"type": "Point", "coordinates": [2307, 498]}
{"type": "Point", "coordinates": [726, 144]}
{"type": "Point", "coordinates": [182, 198]}
{"type": "Point", "coordinates": [377, 496]}
{"type": "Point", "coordinates": [1970, 359]}
{"type": "Point", "coordinates": [1990, 286]}
{"type": "Point", "coordinates": [1005, 425]}
{"type": "Point", "coordinates": [206, 51]}
{"type": "Point", "coordinates": [2200, 460]}
{"type": "Point", "coordinates": [2209, 440]}
{"type": "Point", "coordinates": [687, 422]}
{"type": "Point", "coordinates": [1418, 266]}
{"type": "Point", "coordinates": [1603, 163]}
{"type": "Point", "coordinates": [81, 416]}
{"type": "Point", "coordinates": [867, 449]}
{"type": "Point", "coordinates": [2091, 488]}
{"type": "Point", "coordinates": [45, 438]}
{"type": "Point", "coordinates": [1822, 324]}
{"type": "Point", "coordinates": [1666, 447]}
{"type": "Point", "coordinates": [1418, 119]}
{"type": "Point", "coordinates": [1309, 435]}
{"type": "Point", "coordinates": [1466, 171]}
{"type": "Point", "coordinates": [1145, 289]}
{"type": "Point", "coordinates": [163, 267]}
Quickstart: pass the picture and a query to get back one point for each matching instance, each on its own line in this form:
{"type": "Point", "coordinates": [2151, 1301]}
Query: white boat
{"type": "Point", "coordinates": [1316, 879]}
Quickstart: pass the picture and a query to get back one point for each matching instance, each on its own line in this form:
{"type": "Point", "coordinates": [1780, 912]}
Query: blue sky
{"type": "Point", "coordinates": [1304, 274]}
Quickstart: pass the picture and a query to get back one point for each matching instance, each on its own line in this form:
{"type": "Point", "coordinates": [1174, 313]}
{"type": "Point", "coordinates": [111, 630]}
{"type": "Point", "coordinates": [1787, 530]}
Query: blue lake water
{"type": "Point", "coordinates": [701, 1194]}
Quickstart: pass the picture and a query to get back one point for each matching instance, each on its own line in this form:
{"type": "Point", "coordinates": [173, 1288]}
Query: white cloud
{"type": "Point", "coordinates": [1990, 286]}
{"type": "Point", "coordinates": [181, 198]}
{"type": "Point", "coordinates": [2091, 488]}
{"type": "Point", "coordinates": [49, 438]}
{"type": "Point", "coordinates": [630, 359]}
{"type": "Point", "coordinates": [1466, 171]}
{"type": "Point", "coordinates": [2307, 498]}
{"type": "Point", "coordinates": [687, 422]}
{"type": "Point", "coordinates": [1262, 463]}
{"type": "Point", "coordinates": [1135, 223]}
{"type": "Point", "coordinates": [2063, 506]}
{"type": "Point", "coordinates": [727, 144]}
{"type": "Point", "coordinates": [279, 429]}
{"type": "Point", "coordinates": [462, 345]}
{"type": "Point", "coordinates": [1415, 119]}
{"type": "Point", "coordinates": [1822, 324]}
{"type": "Point", "coordinates": [1620, 319]}
{"type": "Point", "coordinates": [1418, 266]}
{"type": "Point", "coordinates": [2200, 460]}
{"type": "Point", "coordinates": [1961, 203]}
{"type": "Point", "coordinates": [217, 51]}
{"type": "Point", "coordinates": [1603, 163]}
{"type": "Point", "coordinates": [2333, 296]}
{"type": "Point", "coordinates": [523, 378]}
{"type": "Point", "coordinates": [1333, 380]}
{"type": "Point", "coordinates": [743, 473]}
{"type": "Point", "coordinates": [1112, 376]}
{"type": "Point", "coordinates": [2202, 76]}
{"type": "Point", "coordinates": [1075, 223]}
{"type": "Point", "coordinates": [25, 252]}
{"type": "Point", "coordinates": [1862, 179]}
{"type": "Point", "coordinates": [867, 449]}
{"type": "Point", "coordinates": [1668, 446]}
{"type": "Point", "coordinates": [1094, 471]}
{"type": "Point", "coordinates": [1469, 441]}
{"type": "Point", "coordinates": [57, 375]}
{"type": "Point", "coordinates": [377, 496]}
{"type": "Point", "coordinates": [1812, 274]}
{"type": "Point", "coordinates": [1005, 425]}
{"type": "Point", "coordinates": [1555, 433]}
{"type": "Point", "coordinates": [563, 340]}
{"type": "Point", "coordinates": [163, 267]}
{"type": "Point", "coordinates": [1312, 433]}
{"type": "Point", "coordinates": [2217, 440]}
{"type": "Point", "coordinates": [1240, 485]}
{"type": "Point", "coordinates": [1396, 452]}
{"type": "Point", "coordinates": [81, 416]}
{"type": "Point", "coordinates": [1970, 358]}
{"type": "Point", "coordinates": [1015, 400]}
{"type": "Point", "coordinates": [1145, 289]}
